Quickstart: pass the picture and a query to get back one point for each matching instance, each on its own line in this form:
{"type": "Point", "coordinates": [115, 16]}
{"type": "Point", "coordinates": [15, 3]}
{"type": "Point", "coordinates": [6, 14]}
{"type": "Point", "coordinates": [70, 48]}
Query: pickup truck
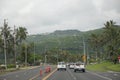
{"type": "Point", "coordinates": [79, 67]}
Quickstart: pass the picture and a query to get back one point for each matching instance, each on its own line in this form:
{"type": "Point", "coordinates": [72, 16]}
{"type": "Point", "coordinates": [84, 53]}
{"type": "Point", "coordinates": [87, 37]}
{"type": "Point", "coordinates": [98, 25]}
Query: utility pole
{"type": "Point", "coordinates": [45, 56]}
{"type": "Point", "coordinates": [84, 51]}
{"type": "Point", "coordinates": [34, 52]}
{"type": "Point", "coordinates": [45, 59]}
{"type": "Point", "coordinates": [57, 56]}
{"type": "Point", "coordinates": [88, 57]}
{"type": "Point", "coordinates": [26, 54]}
{"type": "Point", "coordinates": [15, 45]}
{"type": "Point", "coordinates": [84, 46]}
{"type": "Point", "coordinates": [4, 37]}
{"type": "Point", "coordinates": [59, 49]}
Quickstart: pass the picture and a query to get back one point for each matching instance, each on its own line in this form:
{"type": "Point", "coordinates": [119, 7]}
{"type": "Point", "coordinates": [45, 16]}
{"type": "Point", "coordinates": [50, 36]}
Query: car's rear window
{"type": "Point", "coordinates": [61, 63]}
{"type": "Point", "coordinates": [77, 64]}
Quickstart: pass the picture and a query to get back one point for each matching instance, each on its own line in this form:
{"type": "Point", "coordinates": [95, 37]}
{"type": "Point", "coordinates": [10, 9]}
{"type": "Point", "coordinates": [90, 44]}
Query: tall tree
{"type": "Point", "coordinates": [112, 34]}
{"type": "Point", "coordinates": [6, 34]}
{"type": "Point", "coordinates": [94, 41]}
{"type": "Point", "coordinates": [21, 33]}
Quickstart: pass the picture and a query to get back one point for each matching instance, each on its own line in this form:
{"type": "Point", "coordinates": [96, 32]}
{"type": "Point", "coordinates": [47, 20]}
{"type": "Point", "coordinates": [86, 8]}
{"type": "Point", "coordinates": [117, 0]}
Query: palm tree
{"type": "Point", "coordinates": [1, 41]}
{"type": "Point", "coordinates": [112, 38]}
{"type": "Point", "coordinates": [6, 33]}
{"type": "Point", "coordinates": [21, 33]}
{"type": "Point", "coordinates": [94, 43]}
{"type": "Point", "coordinates": [5, 30]}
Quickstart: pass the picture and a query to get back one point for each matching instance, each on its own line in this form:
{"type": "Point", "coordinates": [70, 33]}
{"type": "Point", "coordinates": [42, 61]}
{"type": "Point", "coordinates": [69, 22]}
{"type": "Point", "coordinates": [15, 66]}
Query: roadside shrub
{"type": "Point", "coordinates": [11, 66]}
{"type": "Point", "coordinates": [2, 67]}
{"type": "Point", "coordinates": [92, 60]}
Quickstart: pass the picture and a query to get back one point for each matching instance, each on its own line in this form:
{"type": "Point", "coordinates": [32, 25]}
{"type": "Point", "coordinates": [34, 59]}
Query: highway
{"type": "Point", "coordinates": [20, 74]}
{"type": "Point", "coordinates": [88, 75]}
{"type": "Point", "coordinates": [27, 74]}
{"type": "Point", "coordinates": [69, 74]}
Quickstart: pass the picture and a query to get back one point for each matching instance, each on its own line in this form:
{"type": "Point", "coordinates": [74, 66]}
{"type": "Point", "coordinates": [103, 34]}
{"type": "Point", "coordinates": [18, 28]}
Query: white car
{"type": "Point", "coordinates": [71, 65]}
{"type": "Point", "coordinates": [79, 67]}
{"type": "Point", "coordinates": [61, 66]}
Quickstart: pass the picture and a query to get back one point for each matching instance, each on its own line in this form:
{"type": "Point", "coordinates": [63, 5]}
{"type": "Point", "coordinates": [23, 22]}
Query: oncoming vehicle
{"type": "Point", "coordinates": [61, 66]}
{"type": "Point", "coordinates": [79, 67]}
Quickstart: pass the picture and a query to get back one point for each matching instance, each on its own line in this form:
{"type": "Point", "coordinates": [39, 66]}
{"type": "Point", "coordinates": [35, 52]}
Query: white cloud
{"type": "Point", "coordinates": [40, 16]}
{"type": "Point", "coordinates": [27, 9]}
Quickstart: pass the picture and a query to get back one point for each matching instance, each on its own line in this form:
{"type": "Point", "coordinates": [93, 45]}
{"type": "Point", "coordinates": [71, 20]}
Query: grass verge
{"type": "Point", "coordinates": [103, 67]}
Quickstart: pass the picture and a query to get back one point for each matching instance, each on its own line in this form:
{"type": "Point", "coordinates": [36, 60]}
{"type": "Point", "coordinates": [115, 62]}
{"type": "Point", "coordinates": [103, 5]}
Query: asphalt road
{"type": "Point", "coordinates": [21, 74]}
{"type": "Point", "coordinates": [71, 75]}
{"type": "Point", "coordinates": [27, 74]}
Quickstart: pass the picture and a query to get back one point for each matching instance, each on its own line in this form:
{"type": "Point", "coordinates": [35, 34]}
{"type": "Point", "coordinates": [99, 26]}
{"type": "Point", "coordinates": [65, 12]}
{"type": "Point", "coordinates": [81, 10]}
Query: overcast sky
{"type": "Point", "coordinates": [41, 16]}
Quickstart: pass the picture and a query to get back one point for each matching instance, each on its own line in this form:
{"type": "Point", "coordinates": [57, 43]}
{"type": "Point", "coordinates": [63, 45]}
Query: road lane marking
{"type": "Point", "coordinates": [74, 78]}
{"type": "Point", "coordinates": [100, 76]}
{"type": "Point", "coordinates": [34, 77]}
{"type": "Point", "coordinates": [16, 76]}
{"type": "Point", "coordinates": [115, 74]}
{"type": "Point", "coordinates": [25, 73]}
{"type": "Point", "coordinates": [46, 77]}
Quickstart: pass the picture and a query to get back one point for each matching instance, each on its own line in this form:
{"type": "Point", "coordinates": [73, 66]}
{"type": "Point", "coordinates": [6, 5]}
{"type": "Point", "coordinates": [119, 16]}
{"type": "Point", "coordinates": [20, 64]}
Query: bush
{"type": "Point", "coordinates": [92, 60]}
{"type": "Point", "coordinates": [11, 66]}
{"type": "Point", "coordinates": [2, 67]}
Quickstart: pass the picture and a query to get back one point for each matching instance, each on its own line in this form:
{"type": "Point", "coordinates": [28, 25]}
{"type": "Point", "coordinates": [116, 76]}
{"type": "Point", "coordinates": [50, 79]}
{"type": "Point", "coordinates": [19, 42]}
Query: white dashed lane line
{"type": "Point", "coordinates": [100, 76]}
{"type": "Point", "coordinates": [17, 76]}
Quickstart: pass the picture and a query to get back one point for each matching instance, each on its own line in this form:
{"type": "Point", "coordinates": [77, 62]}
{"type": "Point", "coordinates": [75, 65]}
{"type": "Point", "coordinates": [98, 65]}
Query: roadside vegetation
{"type": "Point", "coordinates": [14, 49]}
{"type": "Point", "coordinates": [104, 66]}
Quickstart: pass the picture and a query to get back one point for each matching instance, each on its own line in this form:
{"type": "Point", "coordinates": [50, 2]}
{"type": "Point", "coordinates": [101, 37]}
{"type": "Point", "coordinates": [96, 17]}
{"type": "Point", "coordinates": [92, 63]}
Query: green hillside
{"type": "Point", "coordinates": [69, 40]}
{"type": "Point", "coordinates": [73, 44]}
